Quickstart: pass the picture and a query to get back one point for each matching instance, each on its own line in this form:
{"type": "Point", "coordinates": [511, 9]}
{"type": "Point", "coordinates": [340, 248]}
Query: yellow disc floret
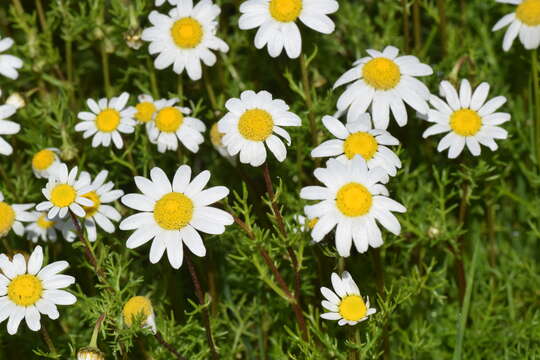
{"type": "Point", "coordinates": [145, 111]}
{"type": "Point", "coordinates": [465, 122]}
{"type": "Point", "coordinates": [360, 143]}
{"type": "Point", "coordinates": [354, 200]}
{"type": "Point", "coordinates": [25, 290]}
{"type": "Point", "coordinates": [311, 224]}
{"type": "Point", "coordinates": [173, 211]}
{"type": "Point", "coordinates": [137, 307]}
{"type": "Point", "coordinates": [381, 73]}
{"type": "Point", "coordinates": [43, 222]}
{"type": "Point", "coordinates": [187, 33]}
{"type": "Point", "coordinates": [7, 218]}
{"type": "Point", "coordinates": [285, 10]}
{"type": "Point", "coordinates": [63, 195]}
{"type": "Point", "coordinates": [92, 210]}
{"type": "Point", "coordinates": [528, 12]}
{"type": "Point", "coordinates": [256, 125]}
{"type": "Point", "coordinates": [215, 135]}
{"type": "Point", "coordinates": [108, 120]}
{"type": "Point", "coordinates": [169, 119]}
{"type": "Point", "coordinates": [43, 159]}
{"type": "Point", "coordinates": [352, 308]}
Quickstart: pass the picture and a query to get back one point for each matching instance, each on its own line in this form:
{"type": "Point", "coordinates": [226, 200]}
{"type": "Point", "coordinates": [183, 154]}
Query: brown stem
{"type": "Point", "coordinates": [47, 339]}
{"type": "Point", "coordinates": [168, 346]}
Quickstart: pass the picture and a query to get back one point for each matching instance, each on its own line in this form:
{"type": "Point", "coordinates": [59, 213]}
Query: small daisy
{"type": "Point", "coordinates": [304, 223]}
{"type": "Point", "coordinates": [45, 162]}
{"type": "Point", "coordinates": [12, 215]}
{"type": "Point", "coordinates": [467, 117]}
{"type": "Point", "coordinates": [145, 109]}
{"type": "Point", "coordinates": [7, 127]}
{"type": "Point", "coordinates": [172, 214]}
{"type": "Point", "coordinates": [28, 290]}
{"type": "Point", "coordinates": [276, 20]}
{"type": "Point", "coordinates": [9, 63]}
{"type": "Point", "coordinates": [251, 123]}
{"type": "Point", "coordinates": [385, 81]}
{"type": "Point", "coordinates": [351, 200]}
{"type": "Point", "coordinates": [41, 228]}
{"type": "Point", "coordinates": [359, 138]}
{"type": "Point", "coordinates": [171, 124]}
{"type": "Point", "coordinates": [139, 307]}
{"type": "Point", "coordinates": [107, 120]}
{"type": "Point", "coordinates": [345, 303]}
{"type": "Point", "coordinates": [525, 22]}
{"type": "Point", "coordinates": [185, 37]}
{"type": "Point", "coordinates": [90, 353]}
{"type": "Point", "coordinates": [64, 193]}
{"type": "Point", "coordinates": [216, 138]}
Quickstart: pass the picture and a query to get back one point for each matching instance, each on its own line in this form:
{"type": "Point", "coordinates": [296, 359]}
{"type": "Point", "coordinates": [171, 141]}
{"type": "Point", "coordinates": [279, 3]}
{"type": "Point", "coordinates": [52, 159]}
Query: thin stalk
{"type": "Point", "coordinates": [105, 69]}
{"type": "Point", "coordinates": [460, 268]}
{"type": "Point", "coordinates": [490, 224]}
{"type": "Point", "coordinates": [153, 79]}
{"type": "Point", "coordinates": [47, 339]}
{"type": "Point", "coordinates": [95, 333]}
{"type": "Point", "coordinates": [168, 346]}
{"type": "Point", "coordinates": [406, 30]}
{"type": "Point", "coordinates": [379, 278]}
{"type": "Point", "coordinates": [417, 26]}
{"type": "Point", "coordinates": [442, 25]}
{"type": "Point", "coordinates": [41, 15]}
{"type": "Point", "coordinates": [536, 85]}
{"type": "Point", "coordinates": [309, 100]}
{"type": "Point", "coordinates": [210, 91]}
{"type": "Point", "coordinates": [69, 68]}
{"type": "Point", "coordinates": [180, 89]}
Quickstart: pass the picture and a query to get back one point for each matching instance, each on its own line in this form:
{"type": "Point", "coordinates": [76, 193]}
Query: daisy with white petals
{"type": "Point", "coordinates": [41, 228]}
{"type": "Point", "coordinates": [525, 22]}
{"type": "Point", "coordinates": [107, 119]}
{"type": "Point", "coordinates": [385, 81]}
{"type": "Point", "coordinates": [173, 214]}
{"type": "Point", "coordinates": [352, 200]}
{"type": "Point", "coordinates": [276, 20]}
{"type": "Point", "coordinates": [185, 37]}
{"type": "Point", "coordinates": [9, 63]}
{"type": "Point", "coordinates": [345, 303]}
{"type": "Point", "coordinates": [253, 121]}
{"type": "Point", "coordinates": [467, 118]}
{"type": "Point", "coordinates": [11, 216]}
{"type": "Point", "coordinates": [28, 290]}
{"type": "Point", "coordinates": [7, 127]}
{"type": "Point", "coordinates": [45, 162]}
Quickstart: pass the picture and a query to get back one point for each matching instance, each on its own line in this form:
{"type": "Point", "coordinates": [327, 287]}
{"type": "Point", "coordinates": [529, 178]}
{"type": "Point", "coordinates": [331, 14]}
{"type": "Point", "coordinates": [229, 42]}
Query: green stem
{"type": "Point", "coordinates": [47, 339]}
{"type": "Point", "coordinates": [405, 12]}
{"type": "Point", "coordinates": [417, 26]}
{"type": "Point", "coordinates": [442, 25]}
{"type": "Point", "coordinates": [180, 89]}
{"type": "Point", "coordinates": [93, 340]}
{"type": "Point", "coordinates": [210, 90]}
{"type": "Point", "coordinates": [153, 79]}
{"type": "Point", "coordinates": [379, 278]}
{"type": "Point", "coordinates": [105, 69]}
{"type": "Point", "coordinates": [309, 100]}
{"type": "Point", "coordinates": [536, 84]}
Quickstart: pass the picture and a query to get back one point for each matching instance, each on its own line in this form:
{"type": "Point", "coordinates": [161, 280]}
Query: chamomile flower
{"type": "Point", "coordinates": [45, 162]}
{"type": "Point", "coordinates": [11, 216]}
{"type": "Point", "coordinates": [27, 290]}
{"type": "Point", "coordinates": [9, 63]}
{"type": "Point", "coordinates": [525, 22]}
{"type": "Point", "coordinates": [385, 81]}
{"type": "Point", "coordinates": [64, 193]}
{"type": "Point", "coordinates": [304, 223]}
{"type": "Point", "coordinates": [171, 125]}
{"type": "Point", "coordinates": [216, 138]}
{"type": "Point", "coordinates": [173, 214]}
{"type": "Point", "coordinates": [41, 228]}
{"type": "Point", "coordinates": [107, 120]}
{"type": "Point", "coordinates": [145, 109]}
{"type": "Point", "coordinates": [345, 303]}
{"type": "Point", "coordinates": [352, 201]}
{"type": "Point", "coordinates": [467, 118]}
{"type": "Point", "coordinates": [252, 121]}
{"type": "Point", "coordinates": [139, 306]}
{"type": "Point", "coordinates": [276, 20]}
{"type": "Point", "coordinates": [7, 127]}
{"type": "Point", "coordinates": [358, 137]}
{"type": "Point", "coordinates": [185, 37]}
{"type": "Point", "coordinates": [90, 353]}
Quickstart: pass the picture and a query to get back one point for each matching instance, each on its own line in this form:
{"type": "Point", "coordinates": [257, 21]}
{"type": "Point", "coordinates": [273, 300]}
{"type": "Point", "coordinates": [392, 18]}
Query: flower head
{"type": "Point", "coordinates": [44, 229]}
{"type": "Point", "coordinates": [139, 307]}
{"type": "Point", "coordinates": [525, 22]}
{"type": "Point", "coordinates": [45, 162]}
{"type": "Point", "coordinates": [11, 216]}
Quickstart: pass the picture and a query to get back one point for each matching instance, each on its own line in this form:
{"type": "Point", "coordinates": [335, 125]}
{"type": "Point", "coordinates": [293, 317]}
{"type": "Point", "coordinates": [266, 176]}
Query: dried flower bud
{"type": "Point", "coordinates": [133, 38]}
{"type": "Point", "coordinates": [16, 100]}
{"type": "Point", "coordinates": [90, 353]}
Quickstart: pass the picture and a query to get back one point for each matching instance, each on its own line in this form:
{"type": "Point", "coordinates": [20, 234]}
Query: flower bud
{"type": "Point", "coordinates": [90, 353]}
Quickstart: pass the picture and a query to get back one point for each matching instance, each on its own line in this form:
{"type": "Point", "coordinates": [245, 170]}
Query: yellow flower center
{"type": "Point", "coordinates": [360, 143]}
{"type": "Point", "coordinates": [352, 308]}
{"type": "Point", "coordinates": [43, 222]}
{"type": "Point", "coordinates": [25, 290]}
{"type": "Point", "coordinates": [285, 10]}
{"type": "Point", "coordinates": [137, 307]}
{"type": "Point", "coordinates": [187, 33]}
{"type": "Point", "coordinates": [256, 125]}
{"type": "Point", "coordinates": [528, 12]}
{"type": "Point", "coordinates": [92, 210]}
{"type": "Point", "coordinates": [173, 211]}
{"type": "Point", "coordinates": [381, 73]}
{"type": "Point", "coordinates": [354, 200]}
{"type": "Point", "coordinates": [43, 159]}
{"type": "Point", "coordinates": [311, 224]}
{"type": "Point", "coordinates": [465, 122]}
{"type": "Point", "coordinates": [215, 135]}
{"type": "Point", "coordinates": [169, 119]}
{"type": "Point", "coordinates": [145, 110]}
{"type": "Point", "coordinates": [108, 120]}
{"type": "Point", "coordinates": [7, 218]}
{"type": "Point", "coordinates": [63, 195]}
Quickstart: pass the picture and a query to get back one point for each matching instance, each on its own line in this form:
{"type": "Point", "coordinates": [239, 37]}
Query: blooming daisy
{"type": "Point", "coordinates": [171, 124]}
{"type": "Point", "coordinates": [467, 117]}
{"type": "Point", "coordinates": [64, 192]}
{"type": "Point", "coordinates": [385, 81]}
{"type": "Point", "coordinates": [276, 20]}
{"type": "Point", "coordinates": [7, 127]}
{"type": "Point", "coordinates": [172, 214]}
{"type": "Point", "coordinates": [107, 120]}
{"type": "Point", "coordinates": [216, 138]}
{"type": "Point", "coordinates": [45, 162]}
{"type": "Point", "coordinates": [139, 306]}
{"type": "Point", "coordinates": [251, 123]}
{"type": "Point", "coordinates": [525, 22]}
{"type": "Point", "coordinates": [145, 109]}
{"type": "Point", "coordinates": [358, 137]}
{"type": "Point", "coordinates": [345, 303]}
{"type": "Point", "coordinates": [28, 290]}
{"type": "Point", "coordinates": [12, 215]}
{"type": "Point", "coordinates": [185, 37]}
{"type": "Point", "coordinates": [9, 63]}
{"type": "Point", "coordinates": [42, 228]}
{"type": "Point", "coordinates": [351, 200]}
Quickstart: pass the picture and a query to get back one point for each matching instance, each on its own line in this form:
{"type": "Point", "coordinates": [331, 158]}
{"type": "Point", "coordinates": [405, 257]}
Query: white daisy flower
{"type": "Point", "coordinates": [251, 123]}
{"type": "Point", "coordinates": [385, 81]}
{"type": "Point", "coordinates": [9, 63]}
{"type": "Point", "coordinates": [358, 137]}
{"type": "Point", "coordinates": [171, 124]}
{"type": "Point", "coordinates": [216, 138]}
{"type": "Point", "coordinates": [139, 307]}
{"type": "Point", "coordinates": [172, 214]}
{"type": "Point", "coordinates": [185, 37]}
{"type": "Point", "coordinates": [146, 109]}
{"type": "Point", "coordinates": [64, 192]}
{"type": "Point", "coordinates": [351, 200]}
{"type": "Point", "coordinates": [345, 303]}
{"type": "Point", "coordinates": [467, 117]}
{"type": "Point", "coordinates": [45, 162]}
{"type": "Point", "coordinates": [276, 20]}
{"type": "Point", "coordinates": [100, 213]}
{"type": "Point", "coordinates": [107, 120]}
{"type": "Point", "coordinates": [41, 228]}
{"type": "Point", "coordinates": [525, 22]}
{"type": "Point", "coordinates": [12, 215]}
{"type": "Point", "coordinates": [28, 290]}
{"type": "Point", "coordinates": [7, 127]}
